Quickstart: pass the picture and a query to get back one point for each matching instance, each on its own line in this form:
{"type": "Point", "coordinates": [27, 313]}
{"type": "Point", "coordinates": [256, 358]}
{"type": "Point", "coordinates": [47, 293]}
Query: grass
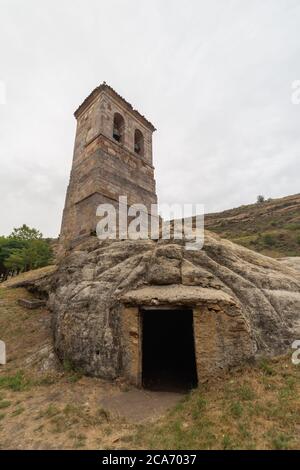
{"type": "Point", "coordinates": [236, 409]}
{"type": "Point", "coordinates": [280, 441]}
{"type": "Point", "coordinates": [50, 411]}
{"type": "Point", "coordinates": [72, 416]}
{"type": "Point", "coordinates": [19, 410]}
{"type": "Point", "coordinates": [76, 412]}
{"type": "Point", "coordinates": [42, 408]}
{"type": "Point", "coordinates": [23, 330]}
{"type": "Point", "coordinates": [271, 228]}
{"type": "Point", "coordinates": [16, 382]}
{"type": "Point", "coordinates": [79, 440]}
{"type": "Point", "coordinates": [30, 276]}
{"type": "Point", "coordinates": [4, 404]}
{"type": "Point", "coordinates": [246, 393]}
{"type": "Point", "coordinates": [266, 368]}
{"type": "Point", "coordinates": [251, 408]}
{"type": "Point", "coordinates": [21, 381]}
{"type": "Point", "coordinates": [256, 408]}
{"type": "Point", "coordinates": [74, 373]}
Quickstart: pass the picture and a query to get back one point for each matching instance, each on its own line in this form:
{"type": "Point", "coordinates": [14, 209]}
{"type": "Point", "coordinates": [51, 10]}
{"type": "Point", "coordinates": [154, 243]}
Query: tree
{"type": "Point", "coordinates": [35, 254]}
{"type": "Point", "coordinates": [260, 199]}
{"type": "Point", "coordinates": [7, 246]}
{"type": "Point", "coordinates": [26, 233]}
{"type": "Point", "coordinates": [38, 254]}
{"type": "Point", "coordinates": [24, 249]}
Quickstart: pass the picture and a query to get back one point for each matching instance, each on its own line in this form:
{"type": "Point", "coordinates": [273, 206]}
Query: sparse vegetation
{"type": "Point", "coordinates": [16, 382]}
{"type": "Point", "coordinates": [4, 404]}
{"type": "Point", "coordinates": [251, 408]}
{"type": "Point", "coordinates": [256, 408]}
{"type": "Point", "coordinates": [269, 240]}
{"type": "Point", "coordinates": [271, 227]}
{"type": "Point", "coordinates": [74, 372]}
{"type": "Point", "coordinates": [260, 199]}
{"type": "Point", "coordinates": [18, 411]}
{"type": "Point", "coordinates": [266, 368]}
{"type": "Point", "coordinates": [236, 409]}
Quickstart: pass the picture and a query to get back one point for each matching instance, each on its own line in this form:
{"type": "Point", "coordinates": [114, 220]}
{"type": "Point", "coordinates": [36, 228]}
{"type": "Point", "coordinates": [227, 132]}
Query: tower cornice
{"type": "Point", "coordinates": [108, 89]}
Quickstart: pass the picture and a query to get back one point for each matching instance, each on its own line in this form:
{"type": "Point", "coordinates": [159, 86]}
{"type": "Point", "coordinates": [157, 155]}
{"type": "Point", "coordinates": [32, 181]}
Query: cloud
{"type": "Point", "coordinates": [214, 77]}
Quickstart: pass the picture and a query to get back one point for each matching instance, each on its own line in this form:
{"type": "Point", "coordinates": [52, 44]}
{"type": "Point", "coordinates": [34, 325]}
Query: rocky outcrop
{"type": "Point", "coordinates": [291, 262]}
{"type": "Point", "coordinates": [252, 302]}
{"type": "Point", "coordinates": [37, 281]}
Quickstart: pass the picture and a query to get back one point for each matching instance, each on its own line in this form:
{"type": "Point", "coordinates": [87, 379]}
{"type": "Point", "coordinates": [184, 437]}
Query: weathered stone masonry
{"type": "Point", "coordinates": [112, 158]}
{"type": "Point", "coordinates": [243, 304]}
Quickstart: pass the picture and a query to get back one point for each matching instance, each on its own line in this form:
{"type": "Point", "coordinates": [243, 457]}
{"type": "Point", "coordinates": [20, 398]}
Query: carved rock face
{"type": "Point", "coordinates": [248, 304]}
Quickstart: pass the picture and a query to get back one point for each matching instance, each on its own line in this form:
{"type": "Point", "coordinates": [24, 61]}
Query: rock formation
{"type": "Point", "coordinates": [245, 305]}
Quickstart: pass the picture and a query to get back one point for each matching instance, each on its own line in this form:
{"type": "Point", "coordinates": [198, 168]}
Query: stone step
{"type": "Point", "coordinates": [32, 303]}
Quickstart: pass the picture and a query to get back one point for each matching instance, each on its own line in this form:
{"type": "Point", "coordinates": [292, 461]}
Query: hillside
{"type": "Point", "coordinates": [271, 227]}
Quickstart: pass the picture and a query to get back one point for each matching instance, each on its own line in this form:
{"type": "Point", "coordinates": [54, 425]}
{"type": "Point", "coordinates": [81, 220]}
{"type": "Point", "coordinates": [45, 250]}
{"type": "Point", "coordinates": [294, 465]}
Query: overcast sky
{"type": "Point", "coordinates": [214, 77]}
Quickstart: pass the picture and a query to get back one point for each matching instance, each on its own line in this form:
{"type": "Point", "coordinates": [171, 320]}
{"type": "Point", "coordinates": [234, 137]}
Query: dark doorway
{"type": "Point", "coordinates": [168, 350]}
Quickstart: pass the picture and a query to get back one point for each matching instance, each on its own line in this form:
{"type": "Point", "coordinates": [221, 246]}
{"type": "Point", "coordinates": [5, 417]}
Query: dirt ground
{"type": "Point", "coordinates": [48, 405]}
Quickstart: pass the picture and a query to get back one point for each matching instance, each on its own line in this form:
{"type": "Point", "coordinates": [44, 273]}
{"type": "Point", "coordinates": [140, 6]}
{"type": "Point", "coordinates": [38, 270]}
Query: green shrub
{"type": "Point", "coordinates": [269, 240]}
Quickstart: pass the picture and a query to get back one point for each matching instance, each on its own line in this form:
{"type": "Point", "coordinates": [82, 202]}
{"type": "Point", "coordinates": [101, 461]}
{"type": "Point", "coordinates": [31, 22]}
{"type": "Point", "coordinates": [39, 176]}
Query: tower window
{"type": "Point", "coordinates": [118, 129]}
{"type": "Point", "coordinates": [138, 142]}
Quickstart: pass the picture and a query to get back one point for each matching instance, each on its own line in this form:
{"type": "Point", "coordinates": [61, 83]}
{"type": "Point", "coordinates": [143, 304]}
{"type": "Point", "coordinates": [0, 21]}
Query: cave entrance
{"type": "Point", "coordinates": [168, 349]}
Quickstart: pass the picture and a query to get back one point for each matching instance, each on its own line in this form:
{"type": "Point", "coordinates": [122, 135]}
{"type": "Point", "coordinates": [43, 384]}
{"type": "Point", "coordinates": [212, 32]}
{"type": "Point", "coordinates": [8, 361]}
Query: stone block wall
{"type": "Point", "coordinates": [132, 345]}
{"type": "Point", "coordinates": [221, 335]}
{"type": "Point", "coordinates": [104, 169]}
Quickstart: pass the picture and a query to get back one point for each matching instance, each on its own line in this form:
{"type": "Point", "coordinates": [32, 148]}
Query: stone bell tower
{"type": "Point", "coordinates": [112, 158]}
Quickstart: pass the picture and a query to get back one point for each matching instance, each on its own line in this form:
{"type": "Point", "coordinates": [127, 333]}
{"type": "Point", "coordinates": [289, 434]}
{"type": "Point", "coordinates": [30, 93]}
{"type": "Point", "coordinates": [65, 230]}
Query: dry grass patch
{"type": "Point", "coordinates": [256, 408]}
{"type": "Point", "coordinates": [251, 408]}
{"type": "Point", "coordinates": [29, 276]}
{"type": "Point", "coordinates": [24, 331]}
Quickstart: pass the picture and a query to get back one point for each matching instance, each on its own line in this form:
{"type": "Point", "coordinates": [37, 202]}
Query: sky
{"type": "Point", "coordinates": [214, 76]}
